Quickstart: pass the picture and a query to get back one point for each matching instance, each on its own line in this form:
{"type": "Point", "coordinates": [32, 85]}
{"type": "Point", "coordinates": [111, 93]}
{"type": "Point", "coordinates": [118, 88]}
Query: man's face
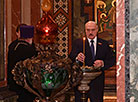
{"type": "Point", "coordinates": [91, 30]}
{"type": "Point", "coordinates": [18, 34]}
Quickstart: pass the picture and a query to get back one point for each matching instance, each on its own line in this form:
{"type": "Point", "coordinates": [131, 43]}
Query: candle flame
{"type": "Point", "coordinates": [84, 38]}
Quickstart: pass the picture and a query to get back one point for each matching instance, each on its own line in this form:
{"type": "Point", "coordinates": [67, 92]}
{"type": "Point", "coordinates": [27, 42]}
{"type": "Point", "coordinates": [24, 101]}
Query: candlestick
{"type": "Point", "coordinates": [84, 49]}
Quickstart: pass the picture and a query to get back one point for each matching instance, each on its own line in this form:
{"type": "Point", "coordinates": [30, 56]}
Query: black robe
{"type": "Point", "coordinates": [19, 50]}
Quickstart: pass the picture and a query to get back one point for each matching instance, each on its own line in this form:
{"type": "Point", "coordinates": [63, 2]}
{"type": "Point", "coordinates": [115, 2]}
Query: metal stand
{"type": "Point", "coordinates": [88, 76]}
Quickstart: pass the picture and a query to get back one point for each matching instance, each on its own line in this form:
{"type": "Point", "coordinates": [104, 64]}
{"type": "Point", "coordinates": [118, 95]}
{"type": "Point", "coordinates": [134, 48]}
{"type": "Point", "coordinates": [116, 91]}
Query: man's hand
{"type": "Point", "coordinates": [98, 64]}
{"type": "Point", "coordinates": [80, 57]}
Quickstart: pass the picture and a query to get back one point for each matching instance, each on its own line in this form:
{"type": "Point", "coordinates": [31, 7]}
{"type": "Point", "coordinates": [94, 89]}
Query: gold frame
{"type": "Point", "coordinates": [3, 57]}
{"type": "Point", "coordinates": [95, 10]}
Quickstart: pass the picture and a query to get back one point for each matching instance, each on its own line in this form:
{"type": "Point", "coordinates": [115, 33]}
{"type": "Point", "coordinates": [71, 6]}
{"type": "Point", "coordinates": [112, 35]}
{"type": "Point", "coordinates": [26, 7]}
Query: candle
{"type": "Point", "coordinates": [84, 49]}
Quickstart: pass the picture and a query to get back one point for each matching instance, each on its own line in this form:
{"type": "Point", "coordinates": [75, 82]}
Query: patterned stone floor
{"type": "Point", "coordinates": [108, 97]}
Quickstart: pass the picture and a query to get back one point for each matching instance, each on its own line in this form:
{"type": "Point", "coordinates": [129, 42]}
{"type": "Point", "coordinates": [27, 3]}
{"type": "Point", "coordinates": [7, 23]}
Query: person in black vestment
{"type": "Point", "coordinates": [19, 50]}
{"type": "Point", "coordinates": [102, 57]}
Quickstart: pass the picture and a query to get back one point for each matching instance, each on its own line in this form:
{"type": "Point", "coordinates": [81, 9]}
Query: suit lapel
{"type": "Point", "coordinates": [99, 48]}
{"type": "Point", "coordinates": [88, 51]}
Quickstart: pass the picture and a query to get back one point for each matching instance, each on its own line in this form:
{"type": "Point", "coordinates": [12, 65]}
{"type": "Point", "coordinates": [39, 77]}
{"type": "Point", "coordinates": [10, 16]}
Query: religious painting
{"type": "Point", "coordinates": [101, 11]}
{"type": "Point", "coordinates": [106, 20]}
{"type": "Point", "coordinates": [2, 54]}
{"type": "Point", "coordinates": [83, 10]}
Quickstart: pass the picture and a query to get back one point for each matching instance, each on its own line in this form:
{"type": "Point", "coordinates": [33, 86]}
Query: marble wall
{"type": "Point", "coordinates": [133, 51]}
{"type": "Point", "coordinates": [120, 50]}
{"type": "Point", "coordinates": [127, 50]}
{"type": "Point", "coordinates": [21, 11]}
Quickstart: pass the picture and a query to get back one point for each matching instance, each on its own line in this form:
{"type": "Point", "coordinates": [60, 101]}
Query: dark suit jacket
{"type": "Point", "coordinates": [103, 52]}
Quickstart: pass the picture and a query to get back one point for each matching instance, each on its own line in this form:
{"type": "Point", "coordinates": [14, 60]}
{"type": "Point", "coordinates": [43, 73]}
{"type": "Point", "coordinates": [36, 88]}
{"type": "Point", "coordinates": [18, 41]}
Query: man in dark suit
{"type": "Point", "coordinates": [19, 50]}
{"type": "Point", "coordinates": [99, 56]}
